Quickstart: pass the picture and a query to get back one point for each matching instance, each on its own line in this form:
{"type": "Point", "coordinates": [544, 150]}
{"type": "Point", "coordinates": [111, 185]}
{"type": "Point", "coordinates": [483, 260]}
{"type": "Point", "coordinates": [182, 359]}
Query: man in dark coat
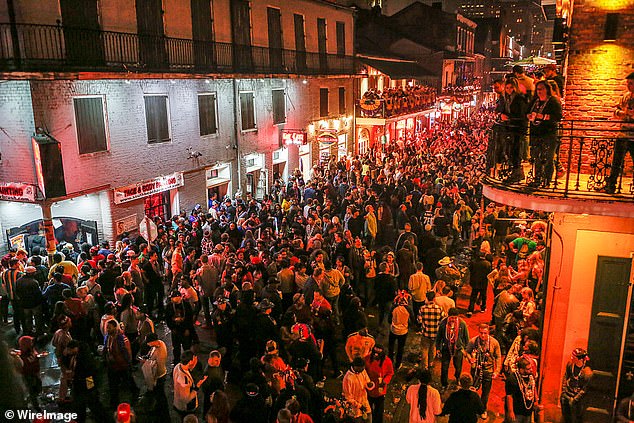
{"type": "Point", "coordinates": [479, 269]}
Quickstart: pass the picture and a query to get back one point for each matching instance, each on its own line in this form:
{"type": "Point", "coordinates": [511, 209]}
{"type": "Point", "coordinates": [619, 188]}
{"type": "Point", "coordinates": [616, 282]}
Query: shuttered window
{"type": "Point", "coordinates": [323, 102]}
{"type": "Point", "coordinates": [91, 124]}
{"type": "Point", "coordinates": [279, 106]}
{"type": "Point", "coordinates": [342, 100]}
{"type": "Point", "coordinates": [157, 119]}
{"type": "Point", "coordinates": [341, 38]}
{"type": "Point", "coordinates": [247, 111]}
{"type": "Point", "coordinates": [207, 114]}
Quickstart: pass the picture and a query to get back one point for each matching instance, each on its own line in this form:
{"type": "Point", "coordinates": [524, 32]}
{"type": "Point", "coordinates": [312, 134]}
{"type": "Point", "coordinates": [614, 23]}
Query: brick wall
{"type": "Point", "coordinates": [596, 69]}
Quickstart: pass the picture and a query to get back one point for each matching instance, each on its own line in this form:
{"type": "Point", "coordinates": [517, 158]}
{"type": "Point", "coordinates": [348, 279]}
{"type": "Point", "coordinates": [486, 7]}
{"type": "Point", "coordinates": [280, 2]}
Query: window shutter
{"type": "Point", "coordinates": [91, 127]}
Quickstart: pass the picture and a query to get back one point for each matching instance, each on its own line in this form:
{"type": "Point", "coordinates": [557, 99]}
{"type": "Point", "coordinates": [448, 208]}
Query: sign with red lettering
{"type": "Point", "coordinates": [18, 192]}
{"type": "Point", "coordinates": [294, 137]}
{"type": "Point", "coordinates": [145, 188]}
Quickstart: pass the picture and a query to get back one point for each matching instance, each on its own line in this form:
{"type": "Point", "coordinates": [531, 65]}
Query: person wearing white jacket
{"type": "Point", "coordinates": [185, 389]}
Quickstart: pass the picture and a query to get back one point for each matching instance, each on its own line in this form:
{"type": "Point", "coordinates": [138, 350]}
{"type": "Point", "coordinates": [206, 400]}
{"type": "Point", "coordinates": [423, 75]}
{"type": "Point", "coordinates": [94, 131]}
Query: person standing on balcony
{"type": "Point", "coordinates": [514, 119]}
{"type": "Point", "coordinates": [625, 142]}
{"type": "Point", "coordinates": [544, 116]}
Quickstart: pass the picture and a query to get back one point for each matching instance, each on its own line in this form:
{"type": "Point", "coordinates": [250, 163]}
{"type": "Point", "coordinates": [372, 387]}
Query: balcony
{"type": "Point", "coordinates": [385, 109]}
{"type": "Point", "coordinates": [583, 162]}
{"type": "Point", "coordinates": [34, 48]}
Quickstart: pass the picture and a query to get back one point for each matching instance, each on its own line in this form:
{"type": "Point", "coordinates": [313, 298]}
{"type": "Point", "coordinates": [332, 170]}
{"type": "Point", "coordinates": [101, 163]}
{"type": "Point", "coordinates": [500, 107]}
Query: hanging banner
{"type": "Point", "coordinates": [145, 188]}
{"type": "Point", "coordinates": [13, 191]}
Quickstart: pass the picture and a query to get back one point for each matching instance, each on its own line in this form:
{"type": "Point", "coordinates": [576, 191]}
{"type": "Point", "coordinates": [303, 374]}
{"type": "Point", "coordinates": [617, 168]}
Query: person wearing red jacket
{"type": "Point", "coordinates": [380, 369]}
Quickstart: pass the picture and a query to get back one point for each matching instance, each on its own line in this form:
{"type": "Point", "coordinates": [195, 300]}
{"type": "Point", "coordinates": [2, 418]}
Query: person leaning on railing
{"type": "Point", "coordinates": [514, 119]}
{"type": "Point", "coordinates": [625, 141]}
{"type": "Point", "coordinates": [544, 116]}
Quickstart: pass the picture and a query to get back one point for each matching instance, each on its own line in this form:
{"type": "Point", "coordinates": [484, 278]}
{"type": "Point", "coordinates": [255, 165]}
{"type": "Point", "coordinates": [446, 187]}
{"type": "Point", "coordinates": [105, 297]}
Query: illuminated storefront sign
{"type": "Point", "coordinates": [145, 188]}
{"type": "Point", "coordinates": [17, 192]}
{"type": "Point", "coordinates": [294, 137]}
{"type": "Point", "coordinates": [327, 136]}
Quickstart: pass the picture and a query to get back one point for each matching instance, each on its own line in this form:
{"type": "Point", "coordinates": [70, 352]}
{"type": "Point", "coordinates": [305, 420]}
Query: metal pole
{"type": "Point", "coordinates": [49, 230]}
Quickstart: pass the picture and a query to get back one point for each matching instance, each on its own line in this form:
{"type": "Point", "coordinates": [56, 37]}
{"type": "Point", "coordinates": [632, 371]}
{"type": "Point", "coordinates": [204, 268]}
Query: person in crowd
{"type": "Point", "coordinates": [399, 319]}
{"type": "Point", "coordinates": [419, 285]}
{"type": "Point", "coordinates": [380, 370]}
{"type": "Point", "coordinates": [479, 270]}
{"type": "Point", "coordinates": [544, 115]}
{"type": "Point", "coordinates": [423, 399]}
{"type": "Point", "coordinates": [185, 388]}
{"type": "Point", "coordinates": [157, 361]}
{"type": "Point", "coordinates": [521, 393]}
{"type": "Point", "coordinates": [118, 359]}
{"type": "Point", "coordinates": [179, 317]}
{"type": "Point", "coordinates": [575, 385]}
{"type": "Point", "coordinates": [430, 315]}
{"type": "Point", "coordinates": [451, 341]}
{"type": "Point", "coordinates": [356, 384]}
{"type": "Point", "coordinates": [485, 358]}
{"type": "Point", "coordinates": [464, 405]}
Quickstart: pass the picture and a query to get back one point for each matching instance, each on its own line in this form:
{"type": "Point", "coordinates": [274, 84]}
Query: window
{"type": "Point", "coordinates": [247, 111]}
{"type": "Point", "coordinates": [91, 124]}
{"type": "Point", "coordinates": [342, 100]}
{"type": "Point", "coordinates": [157, 119]}
{"type": "Point", "coordinates": [279, 106]}
{"type": "Point", "coordinates": [207, 114]}
{"type": "Point", "coordinates": [341, 38]}
{"type": "Point", "coordinates": [157, 205]}
{"type": "Point", "coordinates": [323, 102]}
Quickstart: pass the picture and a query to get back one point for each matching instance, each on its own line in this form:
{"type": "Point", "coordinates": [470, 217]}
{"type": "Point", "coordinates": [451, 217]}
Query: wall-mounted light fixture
{"type": "Point", "coordinates": [611, 27]}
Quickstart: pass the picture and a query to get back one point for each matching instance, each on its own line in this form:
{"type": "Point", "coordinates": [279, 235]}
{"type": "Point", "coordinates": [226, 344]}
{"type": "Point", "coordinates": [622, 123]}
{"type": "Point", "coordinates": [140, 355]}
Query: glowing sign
{"type": "Point", "coordinates": [294, 137]}
{"type": "Point", "coordinates": [145, 188]}
{"type": "Point", "coordinates": [17, 192]}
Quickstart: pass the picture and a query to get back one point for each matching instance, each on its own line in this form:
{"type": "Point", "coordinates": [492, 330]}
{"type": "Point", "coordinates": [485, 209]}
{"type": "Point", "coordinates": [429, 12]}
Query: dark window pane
{"type": "Point", "coordinates": [247, 111]}
{"type": "Point", "coordinates": [91, 127]}
{"type": "Point", "coordinates": [279, 106]}
{"type": "Point", "coordinates": [323, 102]}
{"type": "Point", "coordinates": [156, 119]}
{"type": "Point", "coordinates": [207, 114]}
{"type": "Point", "coordinates": [341, 38]}
{"type": "Point", "coordinates": [342, 100]}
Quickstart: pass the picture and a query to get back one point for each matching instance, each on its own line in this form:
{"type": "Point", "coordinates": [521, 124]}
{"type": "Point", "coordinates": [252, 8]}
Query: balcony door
{"type": "Point", "coordinates": [149, 17]}
{"type": "Point", "coordinates": [321, 44]}
{"type": "Point", "coordinates": [241, 31]}
{"type": "Point", "coordinates": [605, 347]}
{"type": "Point", "coordinates": [275, 38]}
{"type": "Point", "coordinates": [82, 35]}
{"type": "Point", "coordinates": [300, 43]}
{"type": "Point", "coordinates": [202, 31]}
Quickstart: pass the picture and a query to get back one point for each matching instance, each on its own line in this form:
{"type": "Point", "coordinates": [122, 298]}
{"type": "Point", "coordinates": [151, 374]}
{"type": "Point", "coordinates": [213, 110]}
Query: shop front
{"type": "Point", "coordinates": [330, 138]}
{"type": "Point", "coordinates": [256, 173]}
{"type": "Point", "coordinates": [218, 182]}
{"type": "Point", "coordinates": [157, 197]}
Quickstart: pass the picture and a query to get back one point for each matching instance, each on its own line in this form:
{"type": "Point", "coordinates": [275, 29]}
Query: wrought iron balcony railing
{"type": "Point", "coordinates": [583, 162]}
{"type": "Point", "coordinates": [31, 47]}
{"type": "Point", "coordinates": [383, 109]}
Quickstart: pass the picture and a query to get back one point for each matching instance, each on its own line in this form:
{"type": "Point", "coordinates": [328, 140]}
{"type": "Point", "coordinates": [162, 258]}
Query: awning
{"type": "Point", "coordinates": [398, 69]}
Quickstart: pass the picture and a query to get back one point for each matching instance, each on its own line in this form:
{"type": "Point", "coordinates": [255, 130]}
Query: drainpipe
{"type": "Point", "coordinates": [236, 131]}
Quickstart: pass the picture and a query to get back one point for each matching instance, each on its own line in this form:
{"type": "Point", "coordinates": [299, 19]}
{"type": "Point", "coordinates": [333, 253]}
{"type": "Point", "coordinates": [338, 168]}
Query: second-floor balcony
{"type": "Point", "coordinates": [585, 158]}
{"type": "Point", "coordinates": [35, 48]}
{"type": "Point", "coordinates": [387, 108]}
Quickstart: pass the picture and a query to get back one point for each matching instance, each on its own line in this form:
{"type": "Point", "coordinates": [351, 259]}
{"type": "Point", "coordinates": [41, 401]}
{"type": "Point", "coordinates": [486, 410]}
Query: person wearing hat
{"type": "Point", "coordinates": [154, 367]}
{"type": "Point", "coordinates": [266, 325]}
{"type": "Point", "coordinates": [251, 408]}
{"type": "Point", "coordinates": [575, 386]}
{"type": "Point", "coordinates": [29, 298]}
{"type": "Point", "coordinates": [448, 273]}
{"type": "Point", "coordinates": [625, 143]}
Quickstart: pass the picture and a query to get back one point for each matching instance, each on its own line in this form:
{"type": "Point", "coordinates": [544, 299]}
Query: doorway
{"type": "Point", "coordinates": [612, 360]}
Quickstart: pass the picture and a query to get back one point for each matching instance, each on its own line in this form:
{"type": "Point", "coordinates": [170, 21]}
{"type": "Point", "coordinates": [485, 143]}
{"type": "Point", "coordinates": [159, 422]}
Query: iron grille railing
{"type": "Point", "coordinates": [583, 161]}
{"type": "Point", "coordinates": [381, 108]}
{"type": "Point", "coordinates": [33, 47]}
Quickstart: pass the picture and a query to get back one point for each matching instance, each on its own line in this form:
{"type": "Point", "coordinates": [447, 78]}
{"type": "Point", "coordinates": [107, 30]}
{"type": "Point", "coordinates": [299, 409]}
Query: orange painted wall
{"type": "Point", "coordinates": [572, 272]}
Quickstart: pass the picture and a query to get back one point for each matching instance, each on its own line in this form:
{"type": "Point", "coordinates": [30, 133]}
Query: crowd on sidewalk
{"type": "Point", "coordinates": [283, 284]}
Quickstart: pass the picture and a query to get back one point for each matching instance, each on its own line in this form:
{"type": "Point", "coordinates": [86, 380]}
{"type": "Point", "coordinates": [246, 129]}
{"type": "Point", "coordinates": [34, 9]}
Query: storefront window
{"type": "Point", "coordinates": [157, 205]}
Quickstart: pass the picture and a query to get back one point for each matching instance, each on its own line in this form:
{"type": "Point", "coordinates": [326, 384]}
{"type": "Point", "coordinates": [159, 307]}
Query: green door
{"type": "Point", "coordinates": [606, 333]}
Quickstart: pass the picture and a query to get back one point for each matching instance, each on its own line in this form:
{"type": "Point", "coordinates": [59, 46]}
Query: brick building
{"type": "Point", "coordinates": [112, 111]}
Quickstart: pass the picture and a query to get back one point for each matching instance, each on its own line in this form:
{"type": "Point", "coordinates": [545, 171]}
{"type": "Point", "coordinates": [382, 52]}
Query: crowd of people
{"type": "Point", "coordinates": [399, 100]}
{"type": "Point", "coordinates": [283, 286]}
